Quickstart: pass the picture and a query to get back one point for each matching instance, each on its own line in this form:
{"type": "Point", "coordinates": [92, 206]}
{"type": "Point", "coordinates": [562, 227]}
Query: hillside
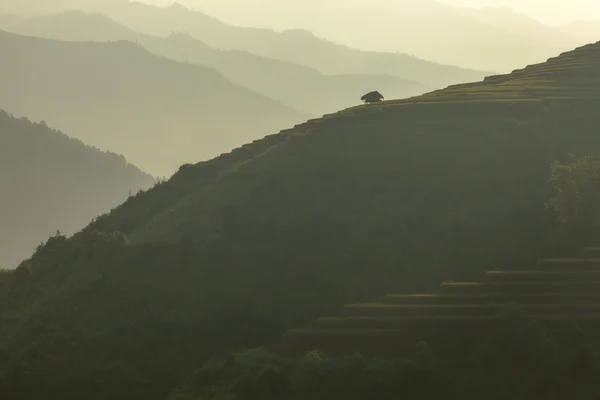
{"type": "Point", "coordinates": [300, 87]}
{"type": "Point", "coordinates": [232, 252]}
{"type": "Point", "coordinates": [157, 112]}
{"type": "Point", "coordinates": [297, 47]}
{"type": "Point", "coordinates": [51, 181]}
{"type": "Point", "coordinates": [454, 317]}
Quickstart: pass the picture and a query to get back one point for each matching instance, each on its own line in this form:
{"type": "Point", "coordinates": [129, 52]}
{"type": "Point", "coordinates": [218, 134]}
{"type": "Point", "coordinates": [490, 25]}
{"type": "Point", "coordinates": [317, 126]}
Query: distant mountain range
{"type": "Point", "coordinates": [119, 96]}
{"type": "Point", "coordinates": [496, 39]}
{"type": "Point", "coordinates": [53, 182]}
{"type": "Point", "coordinates": [296, 46]}
{"type": "Point", "coordinates": [300, 87]}
{"type": "Point", "coordinates": [488, 39]}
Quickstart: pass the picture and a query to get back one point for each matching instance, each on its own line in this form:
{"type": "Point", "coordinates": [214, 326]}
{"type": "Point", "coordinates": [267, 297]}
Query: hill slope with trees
{"type": "Point", "coordinates": [381, 198]}
{"type": "Point", "coordinates": [118, 96]}
{"type": "Point", "coordinates": [300, 87]}
{"type": "Point", "coordinates": [53, 182]}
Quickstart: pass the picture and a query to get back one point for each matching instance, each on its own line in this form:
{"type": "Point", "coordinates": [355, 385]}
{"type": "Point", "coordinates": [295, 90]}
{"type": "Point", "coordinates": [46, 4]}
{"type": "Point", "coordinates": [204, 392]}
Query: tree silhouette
{"type": "Point", "coordinates": [372, 97]}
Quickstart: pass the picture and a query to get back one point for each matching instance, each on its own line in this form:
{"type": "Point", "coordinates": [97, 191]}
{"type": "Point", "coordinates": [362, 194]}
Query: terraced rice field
{"type": "Point", "coordinates": [566, 77]}
{"type": "Point", "coordinates": [558, 291]}
{"type": "Point", "coordinates": [553, 290]}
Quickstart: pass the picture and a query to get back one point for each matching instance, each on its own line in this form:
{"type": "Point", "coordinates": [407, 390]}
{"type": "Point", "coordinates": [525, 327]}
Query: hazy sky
{"type": "Point", "coordinates": [548, 11]}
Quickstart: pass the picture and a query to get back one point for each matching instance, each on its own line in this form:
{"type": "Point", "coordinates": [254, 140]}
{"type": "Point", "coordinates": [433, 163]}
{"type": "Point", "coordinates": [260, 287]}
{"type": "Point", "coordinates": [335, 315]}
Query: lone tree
{"type": "Point", "coordinates": [372, 97]}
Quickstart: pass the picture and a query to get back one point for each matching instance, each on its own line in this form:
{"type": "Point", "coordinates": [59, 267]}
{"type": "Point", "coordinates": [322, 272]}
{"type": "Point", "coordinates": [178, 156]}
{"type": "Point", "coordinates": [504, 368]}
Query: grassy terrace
{"type": "Point", "coordinates": [543, 276]}
{"type": "Point", "coordinates": [569, 264]}
{"type": "Point", "coordinates": [558, 291]}
{"type": "Point", "coordinates": [519, 287]}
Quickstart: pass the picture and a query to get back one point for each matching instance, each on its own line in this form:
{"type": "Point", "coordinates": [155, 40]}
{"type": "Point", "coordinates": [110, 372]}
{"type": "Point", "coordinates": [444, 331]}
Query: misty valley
{"type": "Point", "coordinates": [246, 200]}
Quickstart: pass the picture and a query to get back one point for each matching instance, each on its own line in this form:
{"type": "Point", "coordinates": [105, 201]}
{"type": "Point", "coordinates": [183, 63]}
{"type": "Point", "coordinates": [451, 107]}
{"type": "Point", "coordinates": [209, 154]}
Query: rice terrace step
{"type": "Point", "coordinates": [556, 292]}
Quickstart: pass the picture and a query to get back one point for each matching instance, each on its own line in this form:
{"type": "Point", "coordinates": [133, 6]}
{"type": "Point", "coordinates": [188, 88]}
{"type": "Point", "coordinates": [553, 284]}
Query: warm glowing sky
{"type": "Point", "coordinates": [549, 11]}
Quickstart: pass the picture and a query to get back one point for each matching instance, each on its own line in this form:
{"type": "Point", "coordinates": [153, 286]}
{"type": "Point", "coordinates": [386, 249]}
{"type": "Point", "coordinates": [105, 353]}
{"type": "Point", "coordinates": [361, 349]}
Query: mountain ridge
{"type": "Point", "coordinates": [234, 251]}
{"type": "Point", "coordinates": [300, 87]}
{"type": "Point", "coordinates": [179, 117]}
{"type": "Point", "coordinates": [321, 54]}
{"type": "Point", "coordinates": [49, 169]}
{"type": "Point", "coordinates": [430, 30]}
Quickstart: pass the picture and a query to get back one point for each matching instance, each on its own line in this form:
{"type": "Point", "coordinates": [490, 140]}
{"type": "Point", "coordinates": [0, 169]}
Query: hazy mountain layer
{"type": "Point", "coordinates": [300, 87]}
{"type": "Point", "coordinates": [51, 181]}
{"type": "Point", "coordinates": [584, 30]}
{"type": "Point", "coordinates": [492, 39]}
{"type": "Point", "coordinates": [232, 252]}
{"type": "Point", "coordinates": [426, 29]}
{"type": "Point", "coordinates": [293, 46]}
{"type": "Point", "coordinates": [118, 96]}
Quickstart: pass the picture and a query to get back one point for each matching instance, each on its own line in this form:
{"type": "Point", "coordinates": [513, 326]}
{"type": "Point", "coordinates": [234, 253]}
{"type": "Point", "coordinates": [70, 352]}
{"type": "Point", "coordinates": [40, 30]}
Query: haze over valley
{"type": "Point", "coordinates": [53, 182]}
{"type": "Point", "coordinates": [284, 200]}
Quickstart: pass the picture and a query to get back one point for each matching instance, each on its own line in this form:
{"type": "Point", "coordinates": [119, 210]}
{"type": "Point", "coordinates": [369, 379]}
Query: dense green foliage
{"type": "Point", "coordinates": [119, 96]}
{"type": "Point", "coordinates": [300, 87]}
{"type": "Point", "coordinates": [519, 359]}
{"type": "Point", "coordinates": [50, 181]}
{"type": "Point", "coordinates": [575, 199]}
{"type": "Point", "coordinates": [234, 251]}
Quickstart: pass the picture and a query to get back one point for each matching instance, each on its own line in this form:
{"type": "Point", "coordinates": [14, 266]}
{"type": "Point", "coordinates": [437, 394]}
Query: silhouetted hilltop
{"type": "Point", "coordinates": [299, 47]}
{"type": "Point", "coordinates": [231, 252]}
{"type": "Point", "coordinates": [118, 96]}
{"type": "Point", "coordinates": [51, 181]}
{"type": "Point", "coordinates": [300, 87]}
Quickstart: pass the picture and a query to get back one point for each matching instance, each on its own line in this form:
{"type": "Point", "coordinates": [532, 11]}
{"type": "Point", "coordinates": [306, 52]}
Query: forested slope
{"type": "Point", "coordinates": [53, 182]}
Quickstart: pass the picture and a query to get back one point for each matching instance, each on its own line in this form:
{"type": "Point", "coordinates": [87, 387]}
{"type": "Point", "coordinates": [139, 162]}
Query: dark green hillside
{"type": "Point", "coordinates": [377, 199]}
{"type": "Point", "coordinates": [455, 317]}
{"type": "Point", "coordinates": [300, 87]}
{"type": "Point", "coordinates": [296, 46]}
{"type": "Point", "coordinates": [157, 112]}
{"type": "Point", "coordinates": [50, 181]}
